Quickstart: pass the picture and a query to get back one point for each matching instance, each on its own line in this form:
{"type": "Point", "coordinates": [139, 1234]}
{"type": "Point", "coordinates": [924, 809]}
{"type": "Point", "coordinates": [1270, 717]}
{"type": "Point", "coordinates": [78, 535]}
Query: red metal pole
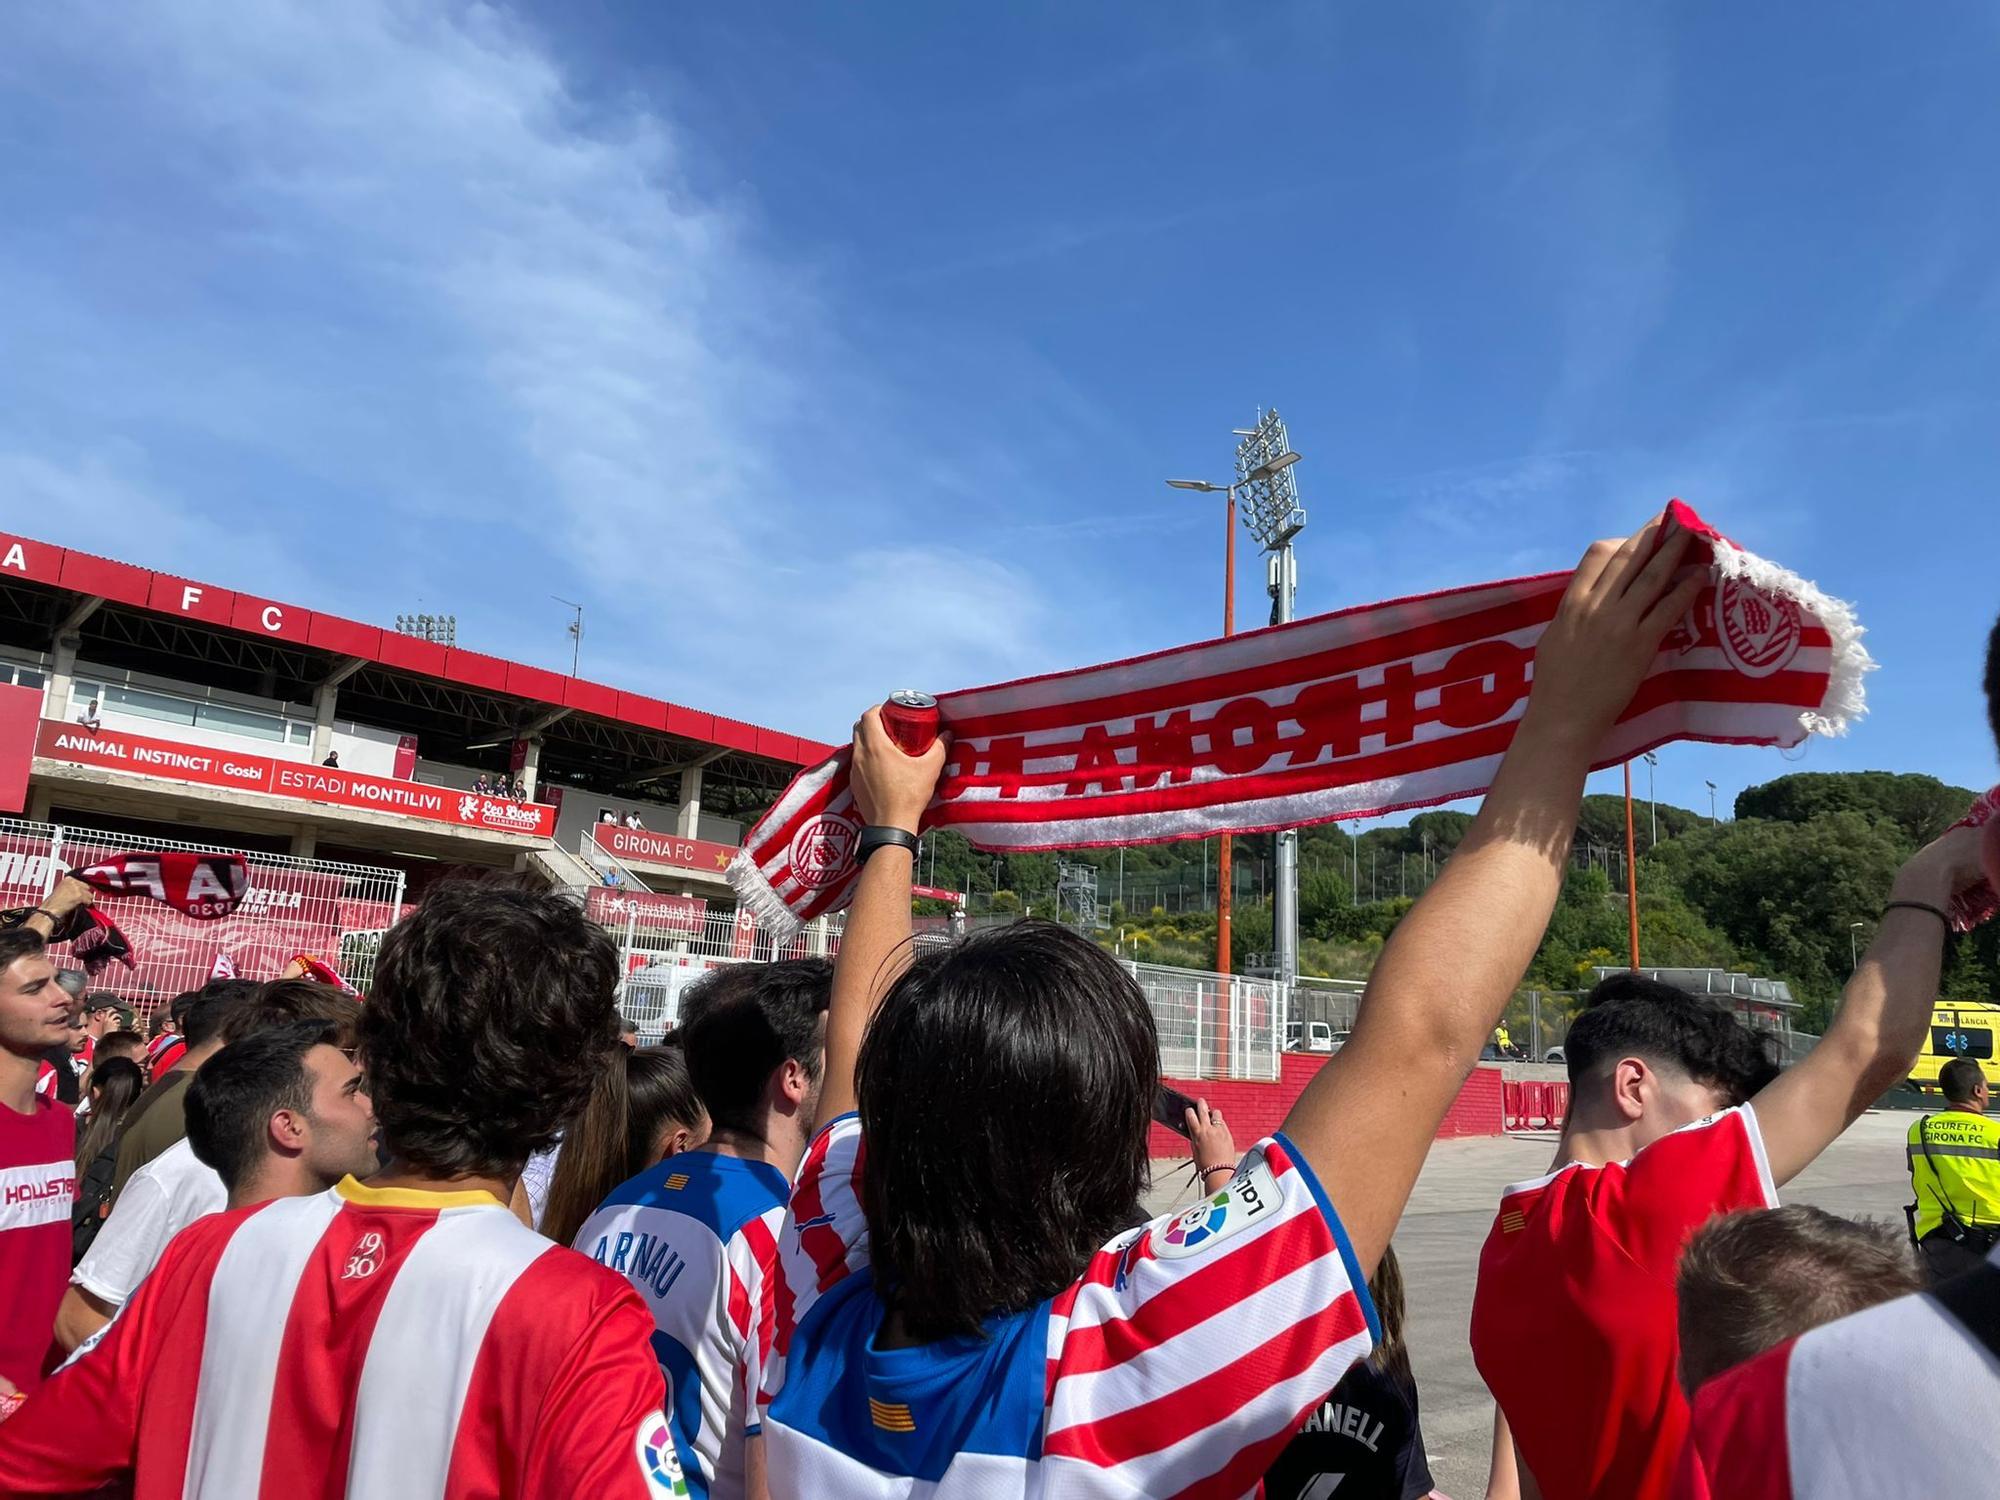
{"type": "Point", "coordinates": [1222, 866]}
{"type": "Point", "coordinates": [1631, 868]}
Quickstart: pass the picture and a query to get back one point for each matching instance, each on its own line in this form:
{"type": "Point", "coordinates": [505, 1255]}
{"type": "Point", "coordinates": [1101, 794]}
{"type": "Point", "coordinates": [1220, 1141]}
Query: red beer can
{"type": "Point", "coordinates": [911, 718]}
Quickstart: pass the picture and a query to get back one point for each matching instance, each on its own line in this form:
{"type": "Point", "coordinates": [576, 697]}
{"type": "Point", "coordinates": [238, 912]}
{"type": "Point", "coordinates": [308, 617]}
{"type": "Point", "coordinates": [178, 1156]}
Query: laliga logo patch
{"type": "Point", "coordinates": [821, 851]}
{"type": "Point", "coordinates": [657, 1459]}
{"type": "Point", "coordinates": [1252, 1194]}
{"type": "Point", "coordinates": [1760, 634]}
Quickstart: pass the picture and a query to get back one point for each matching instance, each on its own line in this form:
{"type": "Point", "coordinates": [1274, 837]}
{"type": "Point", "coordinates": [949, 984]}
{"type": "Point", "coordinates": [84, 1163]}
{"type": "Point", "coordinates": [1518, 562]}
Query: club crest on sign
{"type": "Point", "coordinates": [823, 850]}
{"type": "Point", "coordinates": [1760, 633]}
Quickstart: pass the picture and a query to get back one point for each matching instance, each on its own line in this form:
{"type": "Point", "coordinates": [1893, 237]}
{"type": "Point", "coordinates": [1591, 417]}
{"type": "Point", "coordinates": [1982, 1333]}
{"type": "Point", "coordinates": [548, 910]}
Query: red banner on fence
{"type": "Point", "coordinates": [139, 755]}
{"type": "Point", "coordinates": [612, 906]}
{"type": "Point", "coordinates": [662, 848]}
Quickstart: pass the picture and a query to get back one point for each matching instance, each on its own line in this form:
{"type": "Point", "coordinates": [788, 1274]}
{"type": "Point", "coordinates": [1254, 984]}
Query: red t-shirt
{"type": "Point", "coordinates": [1574, 1319]}
{"type": "Point", "coordinates": [37, 1192]}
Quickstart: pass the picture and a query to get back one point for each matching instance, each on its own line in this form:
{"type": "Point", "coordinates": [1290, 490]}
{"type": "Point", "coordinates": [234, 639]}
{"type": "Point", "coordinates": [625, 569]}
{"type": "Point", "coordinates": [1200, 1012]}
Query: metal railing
{"type": "Point", "coordinates": [603, 866]}
{"type": "Point", "coordinates": [330, 909]}
{"type": "Point", "coordinates": [1331, 1002]}
{"type": "Point", "coordinates": [1214, 1025]}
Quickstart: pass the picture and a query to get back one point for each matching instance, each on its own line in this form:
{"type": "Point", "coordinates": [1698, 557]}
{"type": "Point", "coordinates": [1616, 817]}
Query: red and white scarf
{"type": "Point", "coordinates": [202, 886]}
{"type": "Point", "coordinates": [1346, 715]}
{"type": "Point", "coordinates": [1981, 903]}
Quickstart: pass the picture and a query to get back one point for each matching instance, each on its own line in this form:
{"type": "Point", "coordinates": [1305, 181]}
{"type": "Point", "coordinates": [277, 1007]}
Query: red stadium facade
{"type": "Point", "coordinates": [352, 763]}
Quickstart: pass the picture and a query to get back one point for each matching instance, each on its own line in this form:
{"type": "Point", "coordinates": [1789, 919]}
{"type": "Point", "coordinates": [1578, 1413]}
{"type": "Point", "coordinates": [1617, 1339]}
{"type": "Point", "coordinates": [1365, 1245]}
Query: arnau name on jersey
{"type": "Point", "coordinates": [644, 1258]}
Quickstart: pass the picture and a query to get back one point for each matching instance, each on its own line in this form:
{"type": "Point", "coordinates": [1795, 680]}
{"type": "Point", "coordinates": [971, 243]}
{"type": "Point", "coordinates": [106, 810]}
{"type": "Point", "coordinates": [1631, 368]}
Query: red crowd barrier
{"type": "Point", "coordinates": [1529, 1105]}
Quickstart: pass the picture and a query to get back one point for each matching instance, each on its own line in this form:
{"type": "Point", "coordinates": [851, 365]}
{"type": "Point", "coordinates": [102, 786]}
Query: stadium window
{"type": "Point", "coordinates": [144, 705]}
{"type": "Point", "coordinates": [247, 721]}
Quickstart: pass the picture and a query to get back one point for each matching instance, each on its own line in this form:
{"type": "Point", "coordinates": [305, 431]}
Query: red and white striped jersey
{"type": "Point", "coordinates": [1180, 1363]}
{"type": "Point", "coordinates": [375, 1345]}
{"type": "Point", "coordinates": [1899, 1399]}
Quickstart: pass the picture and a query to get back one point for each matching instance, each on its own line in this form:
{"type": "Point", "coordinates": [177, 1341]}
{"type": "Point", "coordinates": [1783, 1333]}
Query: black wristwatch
{"type": "Point", "coordinates": [877, 837]}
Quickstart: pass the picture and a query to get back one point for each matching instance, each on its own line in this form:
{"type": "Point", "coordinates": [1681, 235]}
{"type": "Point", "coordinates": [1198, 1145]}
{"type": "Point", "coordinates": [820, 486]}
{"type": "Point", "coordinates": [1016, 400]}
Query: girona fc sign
{"type": "Point", "coordinates": [1760, 633]}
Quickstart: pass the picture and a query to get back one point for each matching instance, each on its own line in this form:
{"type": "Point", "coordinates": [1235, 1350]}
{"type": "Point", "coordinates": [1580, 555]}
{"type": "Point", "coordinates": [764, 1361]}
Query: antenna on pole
{"type": "Point", "coordinates": [575, 629]}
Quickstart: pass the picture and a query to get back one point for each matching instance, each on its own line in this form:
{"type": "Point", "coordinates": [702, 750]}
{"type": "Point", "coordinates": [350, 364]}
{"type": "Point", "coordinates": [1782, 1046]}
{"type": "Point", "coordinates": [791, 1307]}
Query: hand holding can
{"type": "Point", "coordinates": [912, 719]}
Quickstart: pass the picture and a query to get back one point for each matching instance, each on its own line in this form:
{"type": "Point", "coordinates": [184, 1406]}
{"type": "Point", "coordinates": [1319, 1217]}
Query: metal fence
{"type": "Point", "coordinates": [1328, 1002]}
{"type": "Point", "coordinates": [337, 912]}
{"type": "Point", "coordinates": [1213, 1025]}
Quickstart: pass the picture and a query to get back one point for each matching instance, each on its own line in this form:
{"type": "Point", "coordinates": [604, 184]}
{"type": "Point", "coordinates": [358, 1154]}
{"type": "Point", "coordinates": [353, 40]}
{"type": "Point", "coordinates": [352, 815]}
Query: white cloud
{"type": "Point", "coordinates": [465, 292]}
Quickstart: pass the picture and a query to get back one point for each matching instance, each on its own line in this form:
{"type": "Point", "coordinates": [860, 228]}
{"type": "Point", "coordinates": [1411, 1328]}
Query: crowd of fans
{"type": "Point", "coordinates": [874, 1228]}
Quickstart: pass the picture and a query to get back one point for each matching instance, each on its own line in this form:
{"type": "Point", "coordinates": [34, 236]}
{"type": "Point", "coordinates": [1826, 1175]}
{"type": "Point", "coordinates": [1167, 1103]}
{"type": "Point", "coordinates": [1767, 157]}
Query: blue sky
{"type": "Point", "coordinates": [822, 350]}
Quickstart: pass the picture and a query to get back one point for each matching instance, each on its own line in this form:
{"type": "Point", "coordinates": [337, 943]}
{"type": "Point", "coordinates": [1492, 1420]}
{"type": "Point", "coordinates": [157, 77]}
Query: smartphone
{"type": "Point", "coordinates": [1170, 1107]}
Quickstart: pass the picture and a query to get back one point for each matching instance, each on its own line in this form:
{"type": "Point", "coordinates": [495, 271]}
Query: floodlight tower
{"type": "Point", "coordinates": [1269, 493]}
{"type": "Point", "coordinates": [1261, 473]}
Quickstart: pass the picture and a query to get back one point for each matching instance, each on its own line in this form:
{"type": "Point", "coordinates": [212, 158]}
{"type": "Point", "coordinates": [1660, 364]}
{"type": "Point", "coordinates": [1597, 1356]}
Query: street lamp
{"type": "Point", "coordinates": [1263, 475]}
{"type": "Point", "coordinates": [1853, 947]}
{"type": "Point", "coordinates": [1653, 797]}
{"type": "Point", "coordinates": [1711, 803]}
{"type": "Point", "coordinates": [575, 629]}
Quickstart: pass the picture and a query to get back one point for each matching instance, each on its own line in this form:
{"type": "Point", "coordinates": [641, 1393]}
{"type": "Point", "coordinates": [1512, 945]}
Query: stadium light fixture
{"type": "Point", "coordinates": [1273, 515]}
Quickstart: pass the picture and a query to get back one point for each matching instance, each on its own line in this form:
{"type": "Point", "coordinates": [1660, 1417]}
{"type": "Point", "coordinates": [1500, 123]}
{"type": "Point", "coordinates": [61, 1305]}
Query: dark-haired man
{"type": "Point", "coordinates": [157, 1118]}
{"type": "Point", "coordinates": [1896, 1400]}
{"type": "Point", "coordinates": [282, 1113]}
{"type": "Point", "coordinates": [37, 1143]}
{"type": "Point", "coordinates": [1677, 1114]}
{"type": "Point", "coordinates": [408, 1336]}
{"type": "Point", "coordinates": [179, 1186]}
{"type": "Point", "coordinates": [698, 1233]}
{"type": "Point", "coordinates": [1954, 1158]}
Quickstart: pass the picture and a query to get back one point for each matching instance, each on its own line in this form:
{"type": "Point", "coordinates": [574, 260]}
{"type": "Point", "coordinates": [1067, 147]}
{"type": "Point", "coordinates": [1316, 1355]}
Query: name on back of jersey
{"type": "Point", "coordinates": [646, 1259]}
{"type": "Point", "coordinates": [1252, 1194]}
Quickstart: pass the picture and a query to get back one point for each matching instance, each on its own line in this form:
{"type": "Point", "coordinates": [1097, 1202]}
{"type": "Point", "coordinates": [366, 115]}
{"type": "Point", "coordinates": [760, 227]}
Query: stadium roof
{"type": "Point", "coordinates": [455, 698]}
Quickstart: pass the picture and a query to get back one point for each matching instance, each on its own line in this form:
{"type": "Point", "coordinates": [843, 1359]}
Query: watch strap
{"type": "Point", "coordinates": [877, 837]}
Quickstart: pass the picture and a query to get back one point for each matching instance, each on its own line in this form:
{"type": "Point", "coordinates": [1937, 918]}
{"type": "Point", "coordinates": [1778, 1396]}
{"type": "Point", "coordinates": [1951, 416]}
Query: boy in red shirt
{"type": "Point", "coordinates": [1574, 1318]}
{"type": "Point", "coordinates": [37, 1147]}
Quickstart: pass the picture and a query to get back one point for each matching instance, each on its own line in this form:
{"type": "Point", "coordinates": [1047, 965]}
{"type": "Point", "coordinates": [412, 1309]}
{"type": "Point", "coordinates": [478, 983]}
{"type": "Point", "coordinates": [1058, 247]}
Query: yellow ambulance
{"type": "Point", "coordinates": [1959, 1028]}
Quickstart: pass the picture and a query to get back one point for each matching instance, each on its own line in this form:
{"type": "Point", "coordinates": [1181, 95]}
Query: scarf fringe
{"type": "Point", "coordinates": [1845, 700]}
{"type": "Point", "coordinates": [756, 893]}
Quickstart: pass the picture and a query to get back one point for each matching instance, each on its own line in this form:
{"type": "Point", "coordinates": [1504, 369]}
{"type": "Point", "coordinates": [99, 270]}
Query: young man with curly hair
{"type": "Point", "coordinates": [409, 1336]}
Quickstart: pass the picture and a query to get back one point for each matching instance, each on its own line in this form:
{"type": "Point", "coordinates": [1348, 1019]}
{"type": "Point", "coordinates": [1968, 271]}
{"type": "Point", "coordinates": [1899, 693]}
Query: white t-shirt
{"type": "Point", "coordinates": [538, 1175]}
{"type": "Point", "coordinates": [165, 1196]}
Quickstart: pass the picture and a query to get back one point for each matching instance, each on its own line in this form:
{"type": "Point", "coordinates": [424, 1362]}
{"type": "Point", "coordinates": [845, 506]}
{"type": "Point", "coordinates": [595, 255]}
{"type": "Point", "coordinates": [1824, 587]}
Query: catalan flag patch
{"type": "Point", "coordinates": [1512, 1221]}
{"type": "Point", "coordinates": [891, 1416]}
{"type": "Point", "coordinates": [676, 1182]}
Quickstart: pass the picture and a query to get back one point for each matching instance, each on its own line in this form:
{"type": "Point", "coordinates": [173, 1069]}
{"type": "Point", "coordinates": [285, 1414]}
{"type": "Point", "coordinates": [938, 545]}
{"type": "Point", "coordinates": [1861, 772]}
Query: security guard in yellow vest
{"type": "Point", "coordinates": [1955, 1168]}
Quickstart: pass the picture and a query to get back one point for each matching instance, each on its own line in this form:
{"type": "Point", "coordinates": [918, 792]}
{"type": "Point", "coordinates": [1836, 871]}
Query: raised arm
{"type": "Point", "coordinates": [891, 790]}
{"type": "Point", "coordinates": [69, 894]}
{"type": "Point", "coordinates": [1884, 1013]}
{"type": "Point", "coordinates": [1367, 1120]}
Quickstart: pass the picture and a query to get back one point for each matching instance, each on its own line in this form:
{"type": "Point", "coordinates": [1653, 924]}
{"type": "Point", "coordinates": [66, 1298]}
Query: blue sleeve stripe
{"type": "Point", "coordinates": [1354, 1277]}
